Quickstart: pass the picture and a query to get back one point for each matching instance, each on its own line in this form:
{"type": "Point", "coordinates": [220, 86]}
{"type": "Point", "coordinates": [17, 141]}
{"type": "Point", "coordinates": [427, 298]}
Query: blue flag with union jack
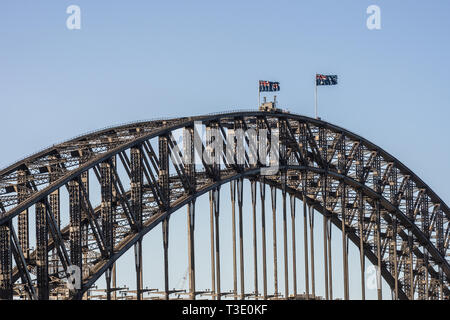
{"type": "Point", "coordinates": [326, 80]}
{"type": "Point", "coordinates": [268, 86]}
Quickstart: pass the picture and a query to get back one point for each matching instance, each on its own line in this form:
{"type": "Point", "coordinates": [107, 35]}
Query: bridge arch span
{"type": "Point", "coordinates": [357, 186]}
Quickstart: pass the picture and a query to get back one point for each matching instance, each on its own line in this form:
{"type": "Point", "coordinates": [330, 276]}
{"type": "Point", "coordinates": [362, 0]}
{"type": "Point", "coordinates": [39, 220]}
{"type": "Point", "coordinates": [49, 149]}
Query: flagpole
{"type": "Point", "coordinates": [259, 95]}
{"type": "Point", "coordinates": [315, 97]}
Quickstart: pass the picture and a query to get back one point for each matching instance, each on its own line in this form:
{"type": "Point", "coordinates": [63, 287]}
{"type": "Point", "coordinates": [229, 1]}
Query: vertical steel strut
{"type": "Point", "coordinates": [255, 247]}
{"type": "Point", "coordinates": [213, 263]}
{"type": "Point", "coordinates": [330, 263]}
{"type": "Point", "coordinates": [325, 257]}
{"type": "Point", "coordinates": [165, 227]}
{"type": "Point", "coordinates": [163, 181]}
{"type": "Point", "coordinates": [361, 243]}
{"type": "Point", "coordinates": [241, 235]}
{"type": "Point", "coordinates": [136, 172]}
{"type": "Point", "coordinates": [273, 193]}
{"type": "Point", "coordinates": [294, 256]}
{"type": "Point", "coordinates": [305, 241]}
{"type": "Point", "coordinates": [23, 222]}
{"type": "Point", "coordinates": [262, 148]}
{"type": "Point", "coordinates": [378, 246]}
{"type": "Point", "coordinates": [440, 247]}
{"type": "Point", "coordinates": [41, 253]}
{"type": "Point", "coordinates": [108, 282]}
{"type": "Point", "coordinates": [138, 266]}
{"type": "Point", "coordinates": [107, 216]}
{"type": "Point", "coordinates": [6, 289]}
{"type": "Point", "coordinates": [216, 215]}
{"type": "Point", "coordinates": [76, 253]}
{"type": "Point", "coordinates": [233, 226]}
{"type": "Point", "coordinates": [286, 265]}
{"type": "Point", "coordinates": [325, 229]}
{"type": "Point", "coordinates": [189, 163]}
{"type": "Point", "coordinates": [410, 265]}
{"type": "Point", "coordinates": [84, 185]}
{"type": "Point", "coordinates": [263, 227]}
{"type": "Point", "coordinates": [311, 239]}
{"type": "Point", "coordinates": [377, 184]}
{"type": "Point", "coordinates": [54, 200]}
{"type": "Point", "coordinates": [191, 248]}
{"type": "Point", "coordinates": [425, 230]}
{"type": "Point", "coordinates": [394, 240]}
{"type": "Point", "coordinates": [393, 188]}
{"type": "Point", "coordinates": [359, 165]}
{"type": "Point", "coordinates": [115, 182]}
{"type": "Point", "coordinates": [344, 241]}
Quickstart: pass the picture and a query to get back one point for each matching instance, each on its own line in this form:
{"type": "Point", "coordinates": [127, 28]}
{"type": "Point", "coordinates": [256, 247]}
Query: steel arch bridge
{"type": "Point", "coordinates": [395, 220]}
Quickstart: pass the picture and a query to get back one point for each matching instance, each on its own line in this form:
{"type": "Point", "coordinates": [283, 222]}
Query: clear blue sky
{"type": "Point", "coordinates": [135, 60]}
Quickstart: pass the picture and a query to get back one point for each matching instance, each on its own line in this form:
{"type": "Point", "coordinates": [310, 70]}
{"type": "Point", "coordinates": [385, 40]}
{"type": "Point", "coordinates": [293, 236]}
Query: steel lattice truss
{"type": "Point", "coordinates": [392, 216]}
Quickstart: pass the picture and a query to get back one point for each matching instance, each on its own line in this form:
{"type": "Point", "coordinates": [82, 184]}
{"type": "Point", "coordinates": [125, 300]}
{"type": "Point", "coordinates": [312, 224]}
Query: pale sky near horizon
{"type": "Point", "coordinates": [135, 60]}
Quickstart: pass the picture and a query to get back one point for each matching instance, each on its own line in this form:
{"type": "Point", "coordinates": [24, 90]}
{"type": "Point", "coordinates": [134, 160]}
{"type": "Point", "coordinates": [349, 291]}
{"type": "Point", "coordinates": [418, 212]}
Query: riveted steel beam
{"type": "Point", "coordinates": [76, 253]}
{"type": "Point", "coordinates": [6, 287]}
{"type": "Point", "coordinates": [42, 256]}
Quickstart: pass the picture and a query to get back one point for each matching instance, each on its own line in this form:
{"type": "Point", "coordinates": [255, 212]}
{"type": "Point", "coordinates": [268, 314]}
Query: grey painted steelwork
{"type": "Point", "coordinates": [396, 221]}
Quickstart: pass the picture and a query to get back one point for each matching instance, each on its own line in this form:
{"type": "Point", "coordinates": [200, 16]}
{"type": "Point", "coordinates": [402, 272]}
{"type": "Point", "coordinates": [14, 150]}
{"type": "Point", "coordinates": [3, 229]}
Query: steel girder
{"type": "Point", "coordinates": [405, 218]}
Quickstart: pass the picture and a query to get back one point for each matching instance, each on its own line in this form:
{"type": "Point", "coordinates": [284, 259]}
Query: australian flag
{"type": "Point", "coordinates": [268, 86]}
{"type": "Point", "coordinates": [326, 80]}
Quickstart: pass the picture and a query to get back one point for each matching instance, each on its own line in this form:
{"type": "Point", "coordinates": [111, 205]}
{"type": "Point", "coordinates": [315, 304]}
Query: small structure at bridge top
{"type": "Point", "coordinates": [271, 106]}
